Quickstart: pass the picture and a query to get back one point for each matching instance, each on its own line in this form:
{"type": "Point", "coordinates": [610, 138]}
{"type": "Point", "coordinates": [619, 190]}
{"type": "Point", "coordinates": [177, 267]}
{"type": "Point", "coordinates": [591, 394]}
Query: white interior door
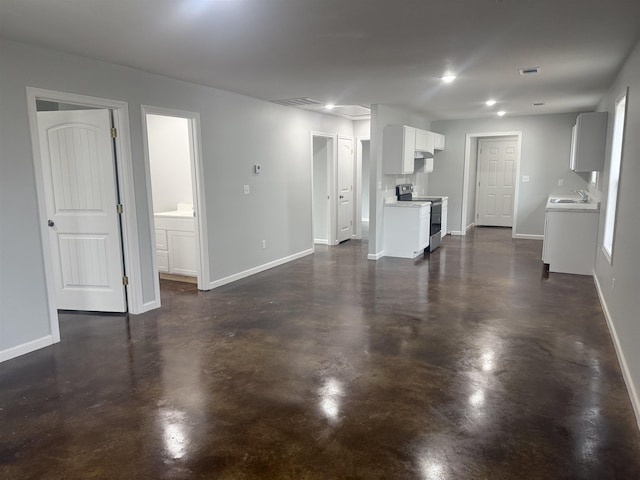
{"type": "Point", "coordinates": [80, 191]}
{"type": "Point", "coordinates": [496, 182]}
{"type": "Point", "coordinates": [345, 189]}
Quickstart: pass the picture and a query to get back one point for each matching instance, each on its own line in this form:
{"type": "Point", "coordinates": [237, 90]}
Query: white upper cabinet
{"type": "Point", "coordinates": [400, 144]}
{"type": "Point", "coordinates": [398, 149]}
{"type": "Point", "coordinates": [588, 142]}
{"type": "Point", "coordinates": [425, 141]}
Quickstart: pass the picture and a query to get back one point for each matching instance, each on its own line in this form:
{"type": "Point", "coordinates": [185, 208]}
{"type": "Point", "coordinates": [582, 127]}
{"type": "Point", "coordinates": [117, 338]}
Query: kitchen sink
{"type": "Point", "coordinates": [565, 200]}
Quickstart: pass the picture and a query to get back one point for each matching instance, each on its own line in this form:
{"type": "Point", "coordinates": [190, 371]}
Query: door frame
{"type": "Point", "coordinates": [331, 187]}
{"type": "Point", "coordinates": [197, 184]}
{"type": "Point", "coordinates": [473, 176]}
{"type": "Point", "coordinates": [358, 182]}
{"type": "Point", "coordinates": [123, 162]}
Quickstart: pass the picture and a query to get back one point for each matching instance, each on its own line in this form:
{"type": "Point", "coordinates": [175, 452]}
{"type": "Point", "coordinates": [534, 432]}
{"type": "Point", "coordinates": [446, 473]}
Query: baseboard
{"type": "Point", "coordinates": [152, 305]}
{"type": "Point", "coordinates": [320, 241]}
{"type": "Point", "coordinates": [258, 269]}
{"type": "Point", "coordinates": [460, 233]}
{"type": "Point", "coordinates": [25, 348]}
{"type": "Point", "coordinates": [375, 256]}
{"type": "Point", "coordinates": [529, 236]}
{"type": "Point", "coordinates": [626, 374]}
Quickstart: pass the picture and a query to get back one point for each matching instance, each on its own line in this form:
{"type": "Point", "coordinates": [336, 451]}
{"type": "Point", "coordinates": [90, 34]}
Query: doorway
{"type": "Point", "coordinates": [129, 256]}
{"type": "Point", "coordinates": [471, 176]}
{"type": "Point", "coordinates": [172, 153]}
{"type": "Point", "coordinates": [323, 148]}
{"type": "Point", "coordinates": [495, 194]}
{"type": "Point", "coordinates": [344, 181]}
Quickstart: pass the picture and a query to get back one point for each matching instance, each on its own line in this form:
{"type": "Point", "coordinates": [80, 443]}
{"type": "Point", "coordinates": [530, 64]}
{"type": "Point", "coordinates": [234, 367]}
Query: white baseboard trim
{"type": "Point", "coordinates": [258, 269]}
{"type": "Point", "coordinates": [320, 241]}
{"type": "Point", "coordinates": [25, 348]}
{"type": "Point", "coordinates": [529, 236]}
{"type": "Point", "coordinates": [152, 305]}
{"type": "Point", "coordinates": [626, 374]}
{"type": "Point", "coordinates": [460, 233]}
{"type": "Point", "coordinates": [375, 256]}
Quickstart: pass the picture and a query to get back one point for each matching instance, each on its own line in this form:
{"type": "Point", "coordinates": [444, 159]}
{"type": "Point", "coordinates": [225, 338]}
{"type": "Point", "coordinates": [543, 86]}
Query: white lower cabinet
{"type": "Point", "coordinates": [406, 229]}
{"type": "Point", "coordinates": [176, 246]}
{"type": "Point", "coordinates": [570, 241]}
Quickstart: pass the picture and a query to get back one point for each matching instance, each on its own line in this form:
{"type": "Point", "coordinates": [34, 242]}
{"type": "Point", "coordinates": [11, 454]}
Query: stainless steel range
{"type": "Point", "coordinates": [404, 192]}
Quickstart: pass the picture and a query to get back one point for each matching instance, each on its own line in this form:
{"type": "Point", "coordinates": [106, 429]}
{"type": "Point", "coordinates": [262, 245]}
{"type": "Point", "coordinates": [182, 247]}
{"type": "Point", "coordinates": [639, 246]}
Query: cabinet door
{"type": "Point", "coordinates": [182, 253]}
{"type": "Point", "coordinates": [408, 150]}
{"type": "Point", "coordinates": [438, 141]}
{"type": "Point", "coordinates": [421, 140]}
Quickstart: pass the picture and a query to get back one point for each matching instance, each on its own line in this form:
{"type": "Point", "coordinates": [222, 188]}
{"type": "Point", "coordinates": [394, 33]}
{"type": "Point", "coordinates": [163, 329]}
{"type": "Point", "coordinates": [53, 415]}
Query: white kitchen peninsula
{"type": "Point", "coordinates": [406, 228]}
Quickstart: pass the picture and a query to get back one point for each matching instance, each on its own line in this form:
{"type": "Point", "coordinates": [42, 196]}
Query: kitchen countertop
{"type": "Point", "coordinates": [411, 204]}
{"type": "Point", "coordinates": [587, 207]}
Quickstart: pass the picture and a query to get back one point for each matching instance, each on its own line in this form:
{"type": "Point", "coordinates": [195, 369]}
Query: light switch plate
{"type": "Point", "coordinates": [247, 190]}
{"type": "Point", "coordinates": [560, 182]}
{"type": "Point", "coordinates": [525, 178]}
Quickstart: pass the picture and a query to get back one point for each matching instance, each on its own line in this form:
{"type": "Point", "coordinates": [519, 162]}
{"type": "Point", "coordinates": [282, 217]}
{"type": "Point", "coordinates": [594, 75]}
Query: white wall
{"type": "Point", "coordinates": [237, 131]}
{"type": "Point", "coordinates": [623, 301]}
{"type": "Point", "coordinates": [546, 143]}
{"type": "Point", "coordinates": [366, 173]}
{"type": "Point", "coordinates": [381, 116]}
{"type": "Point", "coordinates": [169, 161]}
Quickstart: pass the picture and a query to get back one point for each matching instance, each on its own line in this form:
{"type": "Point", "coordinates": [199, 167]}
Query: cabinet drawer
{"type": "Point", "coordinates": [161, 239]}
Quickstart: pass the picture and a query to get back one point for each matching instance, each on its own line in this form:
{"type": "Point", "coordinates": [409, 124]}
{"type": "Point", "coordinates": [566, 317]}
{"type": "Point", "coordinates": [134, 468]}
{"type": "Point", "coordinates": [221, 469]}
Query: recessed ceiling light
{"type": "Point", "coordinates": [448, 78]}
{"type": "Point", "coordinates": [329, 106]}
{"type": "Point", "coordinates": [501, 113]}
{"type": "Point", "coordinates": [490, 103]}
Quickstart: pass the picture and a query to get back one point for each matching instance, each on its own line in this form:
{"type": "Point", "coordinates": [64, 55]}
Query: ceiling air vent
{"type": "Point", "coordinates": [529, 70]}
{"type": "Point", "coordinates": [538, 104]}
{"type": "Point", "coordinates": [296, 102]}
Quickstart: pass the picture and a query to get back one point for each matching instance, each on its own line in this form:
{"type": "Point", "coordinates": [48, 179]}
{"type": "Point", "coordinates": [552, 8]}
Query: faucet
{"type": "Point", "coordinates": [583, 195]}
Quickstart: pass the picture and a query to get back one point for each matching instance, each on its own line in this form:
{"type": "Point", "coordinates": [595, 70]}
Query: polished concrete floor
{"type": "Point", "coordinates": [467, 364]}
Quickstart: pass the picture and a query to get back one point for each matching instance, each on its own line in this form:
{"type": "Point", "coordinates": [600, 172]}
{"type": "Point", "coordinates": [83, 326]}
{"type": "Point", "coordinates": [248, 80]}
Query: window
{"type": "Point", "coordinates": [614, 176]}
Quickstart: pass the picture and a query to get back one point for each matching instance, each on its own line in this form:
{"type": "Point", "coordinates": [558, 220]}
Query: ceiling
{"type": "Point", "coordinates": [355, 52]}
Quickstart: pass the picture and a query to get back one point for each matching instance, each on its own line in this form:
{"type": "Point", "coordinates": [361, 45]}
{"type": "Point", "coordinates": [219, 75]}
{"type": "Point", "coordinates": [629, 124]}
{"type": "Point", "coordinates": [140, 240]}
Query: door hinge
{"type": "Point", "coordinates": [125, 280]}
{"type": "Point", "coordinates": [114, 132]}
{"type": "Point", "coordinates": [120, 208]}
{"type": "Point", "coordinates": [350, 222]}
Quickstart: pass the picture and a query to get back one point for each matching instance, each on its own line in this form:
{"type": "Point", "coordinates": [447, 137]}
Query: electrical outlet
{"type": "Point", "coordinates": [247, 190]}
{"type": "Point", "coordinates": [264, 244]}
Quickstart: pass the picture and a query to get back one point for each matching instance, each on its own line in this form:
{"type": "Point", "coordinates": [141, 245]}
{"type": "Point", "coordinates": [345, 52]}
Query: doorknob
{"type": "Point", "coordinates": [50, 223]}
{"type": "Point", "coordinates": [341, 196]}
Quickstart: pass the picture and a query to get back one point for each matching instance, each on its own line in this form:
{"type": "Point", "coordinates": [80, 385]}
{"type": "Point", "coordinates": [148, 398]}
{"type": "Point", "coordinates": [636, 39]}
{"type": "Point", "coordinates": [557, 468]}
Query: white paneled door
{"type": "Point", "coordinates": [345, 189]}
{"type": "Point", "coordinates": [81, 196]}
{"type": "Point", "coordinates": [496, 182]}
